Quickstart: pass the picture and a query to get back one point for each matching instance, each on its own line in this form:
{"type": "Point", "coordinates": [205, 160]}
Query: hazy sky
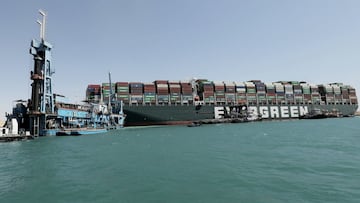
{"type": "Point", "coordinates": [146, 40]}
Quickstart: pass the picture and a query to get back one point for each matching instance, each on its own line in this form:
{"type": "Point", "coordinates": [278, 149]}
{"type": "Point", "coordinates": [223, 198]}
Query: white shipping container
{"type": "Point", "coordinates": [249, 84]}
{"type": "Point", "coordinates": [288, 89]}
{"type": "Point", "coordinates": [162, 85]}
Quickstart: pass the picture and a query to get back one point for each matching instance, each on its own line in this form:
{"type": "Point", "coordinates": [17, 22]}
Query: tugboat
{"type": "Point", "coordinates": [335, 113]}
{"type": "Point", "coordinates": [314, 114]}
{"type": "Point", "coordinates": [320, 114]}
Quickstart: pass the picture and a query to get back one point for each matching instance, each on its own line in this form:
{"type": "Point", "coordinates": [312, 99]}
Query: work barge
{"type": "Point", "coordinates": [47, 113]}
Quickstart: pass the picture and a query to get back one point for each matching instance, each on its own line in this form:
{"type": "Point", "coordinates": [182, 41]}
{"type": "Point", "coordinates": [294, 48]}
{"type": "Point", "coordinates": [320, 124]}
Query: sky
{"type": "Point", "coordinates": [317, 41]}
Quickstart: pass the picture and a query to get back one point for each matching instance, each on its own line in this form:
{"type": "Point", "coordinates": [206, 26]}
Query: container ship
{"type": "Point", "coordinates": [164, 102]}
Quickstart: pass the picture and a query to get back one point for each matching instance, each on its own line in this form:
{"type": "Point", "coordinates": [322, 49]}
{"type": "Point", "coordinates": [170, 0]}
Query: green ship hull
{"type": "Point", "coordinates": [139, 115]}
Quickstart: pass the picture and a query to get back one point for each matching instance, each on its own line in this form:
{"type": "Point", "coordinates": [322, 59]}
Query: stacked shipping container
{"type": "Point", "coordinates": [326, 93]}
{"type": "Point", "coordinates": [186, 92]}
{"type": "Point", "coordinates": [136, 92]}
{"type": "Point", "coordinates": [315, 95]}
{"type": "Point", "coordinates": [175, 92]}
{"type": "Point", "coordinates": [207, 91]}
{"type": "Point", "coordinates": [345, 94]}
{"type": "Point", "coordinates": [122, 92]}
{"type": "Point", "coordinates": [162, 90]}
{"type": "Point", "coordinates": [337, 93]}
{"type": "Point", "coordinates": [352, 96]}
{"type": "Point", "coordinates": [298, 95]}
{"type": "Point", "coordinates": [289, 93]}
{"type": "Point", "coordinates": [230, 89]}
{"type": "Point", "coordinates": [108, 89]}
{"type": "Point", "coordinates": [270, 93]}
{"type": "Point", "coordinates": [219, 92]}
{"type": "Point", "coordinates": [306, 92]}
{"type": "Point", "coordinates": [280, 93]}
{"type": "Point", "coordinates": [240, 89]}
{"type": "Point", "coordinates": [252, 92]}
{"type": "Point", "coordinates": [149, 93]}
{"type": "Point", "coordinates": [260, 91]}
{"type": "Point", "coordinates": [93, 93]}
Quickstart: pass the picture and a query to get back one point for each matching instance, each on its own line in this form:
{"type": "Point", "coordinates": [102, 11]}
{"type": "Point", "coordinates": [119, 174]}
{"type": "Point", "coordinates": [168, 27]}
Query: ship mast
{"type": "Point", "coordinates": [42, 25]}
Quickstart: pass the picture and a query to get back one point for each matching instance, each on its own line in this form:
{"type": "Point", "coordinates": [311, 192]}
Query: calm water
{"type": "Point", "coordinates": [280, 161]}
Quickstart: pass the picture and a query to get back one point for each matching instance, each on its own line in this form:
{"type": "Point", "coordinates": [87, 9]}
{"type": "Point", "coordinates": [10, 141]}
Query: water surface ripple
{"type": "Point", "coordinates": [279, 161]}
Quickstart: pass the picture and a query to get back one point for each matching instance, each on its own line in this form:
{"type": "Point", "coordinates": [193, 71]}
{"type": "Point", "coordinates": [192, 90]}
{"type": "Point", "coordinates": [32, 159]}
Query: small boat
{"type": "Point", "coordinates": [240, 120]}
{"type": "Point", "coordinates": [314, 114]}
{"type": "Point", "coordinates": [194, 124]}
{"type": "Point", "coordinates": [335, 113]}
{"type": "Point", "coordinates": [80, 131]}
